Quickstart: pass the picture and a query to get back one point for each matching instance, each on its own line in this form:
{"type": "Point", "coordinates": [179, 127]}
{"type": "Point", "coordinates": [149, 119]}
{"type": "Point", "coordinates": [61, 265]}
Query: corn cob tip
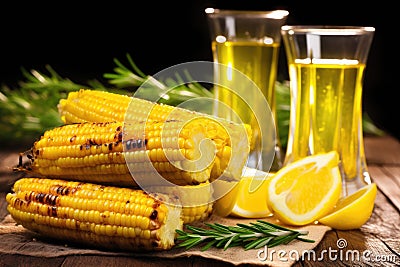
{"type": "Point", "coordinates": [196, 200]}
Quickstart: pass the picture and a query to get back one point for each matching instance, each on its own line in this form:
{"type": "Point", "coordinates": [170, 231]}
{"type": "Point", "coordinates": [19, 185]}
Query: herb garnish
{"type": "Point", "coordinates": [249, 236]}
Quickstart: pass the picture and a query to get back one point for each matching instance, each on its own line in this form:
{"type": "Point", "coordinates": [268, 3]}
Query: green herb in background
{"type": "Point", "coordinates": [178, 92]}
{"type": "Point", "coordinates": [282, 96]}
{"type": "Point", "coordinates": [31, 108]}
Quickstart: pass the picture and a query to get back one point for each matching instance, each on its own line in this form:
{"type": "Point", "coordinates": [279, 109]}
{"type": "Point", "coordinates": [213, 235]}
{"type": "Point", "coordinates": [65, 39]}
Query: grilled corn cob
{"type": "Point", "coordinates": [196, 200]}
{"type": "Point", "coordinates": [123, 154]}
{"type": "Point", "coordinates": [102, 216]}
{"type": "Point", "coordinates": [100, 106]}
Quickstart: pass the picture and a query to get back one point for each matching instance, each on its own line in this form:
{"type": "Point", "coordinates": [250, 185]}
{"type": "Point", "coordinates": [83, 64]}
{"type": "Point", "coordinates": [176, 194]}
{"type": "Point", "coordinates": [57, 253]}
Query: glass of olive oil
{"type": "Point", "coordinates": [246, 44]}
{"type": "Point", "coordinates": [326, 67]}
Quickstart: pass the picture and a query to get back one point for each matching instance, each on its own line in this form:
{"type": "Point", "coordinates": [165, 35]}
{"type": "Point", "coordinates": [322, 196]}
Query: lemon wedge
{"type": "Point", "coordinates": [352, 211]}
{"type": "Point", "coordinates": [306, 190]}
{"type": "Point", "coordinates": [225, 194]}
{"type": "Point", "coordinates": [251, 201]}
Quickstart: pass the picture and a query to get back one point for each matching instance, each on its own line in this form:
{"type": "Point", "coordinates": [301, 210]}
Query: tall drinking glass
{"type": "Point", "coordinates": [326, 70]}
{"type": "Point", "coordinates": [247, 43]}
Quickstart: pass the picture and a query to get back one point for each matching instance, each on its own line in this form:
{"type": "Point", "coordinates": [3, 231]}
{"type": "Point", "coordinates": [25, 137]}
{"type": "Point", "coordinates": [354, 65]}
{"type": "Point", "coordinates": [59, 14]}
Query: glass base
{"type": "Point", "coordinates": [267, 162]}
{"type": "Point", "coordinates": [349, 186]}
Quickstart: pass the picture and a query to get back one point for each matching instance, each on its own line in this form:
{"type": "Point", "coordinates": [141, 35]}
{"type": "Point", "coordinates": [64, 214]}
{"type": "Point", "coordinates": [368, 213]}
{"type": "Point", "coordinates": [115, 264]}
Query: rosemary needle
{"type": "Point", "coordinates": [249, 236]}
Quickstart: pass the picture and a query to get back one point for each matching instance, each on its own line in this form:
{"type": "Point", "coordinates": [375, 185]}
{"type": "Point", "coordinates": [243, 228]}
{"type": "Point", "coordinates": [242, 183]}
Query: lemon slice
{"type": "Point", "coordinates": [353, 211]}
{"type": "Point", "coordinates": [225, 194]}
{"type": "Point", "coordinates": [305, 190]}
{"type": "Point", "coordinates": [251, 201]}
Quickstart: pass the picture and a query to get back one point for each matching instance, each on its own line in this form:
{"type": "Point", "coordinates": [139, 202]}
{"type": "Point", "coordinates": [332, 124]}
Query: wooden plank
{"type": "Point", "coordinates": [378, 238]}
{"type": "Point", "coordinates": [86, 260]}
{"type": "Point", "coordinates": [27, 261]}
{"type": "Point", "coordinates": [3, 206]}
{"type": "Point", "coordinates": [8, 160]}
{"type": "Point", "coordinates": [110, 261]}
{"type": "Point", "coordinates": [382, 150]}
{"type": "Point", "coordinates": [388, 181]}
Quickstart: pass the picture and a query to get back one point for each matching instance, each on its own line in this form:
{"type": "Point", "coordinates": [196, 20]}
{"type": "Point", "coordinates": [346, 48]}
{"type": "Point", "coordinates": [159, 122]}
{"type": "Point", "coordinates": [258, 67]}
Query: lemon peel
{"type": "Point", "coordinates": [353, 211]}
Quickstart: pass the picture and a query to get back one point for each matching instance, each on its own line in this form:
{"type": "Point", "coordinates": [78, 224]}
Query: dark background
{"type": "Point", "coordinates": [80, 41]}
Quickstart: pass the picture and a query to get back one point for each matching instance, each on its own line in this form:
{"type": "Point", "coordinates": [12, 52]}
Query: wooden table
{"type": "Point", "coordinates": [378, 239]}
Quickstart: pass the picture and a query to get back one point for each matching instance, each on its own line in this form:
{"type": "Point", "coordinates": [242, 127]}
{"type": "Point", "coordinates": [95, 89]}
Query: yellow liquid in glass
{"type": "Point", "coordinates": [258, 61]}
{"type": "Point", "coordinates": [326, 112]}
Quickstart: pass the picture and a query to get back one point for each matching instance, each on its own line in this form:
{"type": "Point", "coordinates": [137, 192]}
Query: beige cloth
{"type": "Point", "coordinates": [15, 239]}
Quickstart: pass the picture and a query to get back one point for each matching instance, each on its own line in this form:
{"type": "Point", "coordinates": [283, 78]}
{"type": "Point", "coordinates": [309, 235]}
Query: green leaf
{"type": "Point", "coordinates": [249, 236]}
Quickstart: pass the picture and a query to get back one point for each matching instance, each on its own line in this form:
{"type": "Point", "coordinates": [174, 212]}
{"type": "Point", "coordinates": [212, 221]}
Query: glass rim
{"type": "Point", "coordinates": [328, 29]}
{"type": "Point", "coordinates": [270, 14]}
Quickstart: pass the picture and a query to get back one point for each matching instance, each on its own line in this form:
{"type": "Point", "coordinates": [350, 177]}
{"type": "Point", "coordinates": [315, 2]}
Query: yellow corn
{"type": "Point", "coordinates": [96, 215]}
{"type": "Point", "coordinates": [100, 106]}
{"type": "Point", "coordinates": [124, 154]}
{"type": "Point", "coordinates": [196, 200]}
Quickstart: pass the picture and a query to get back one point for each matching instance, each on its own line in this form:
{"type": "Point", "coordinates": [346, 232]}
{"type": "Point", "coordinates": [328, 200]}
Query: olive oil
{"type": "Point", "coordinates": [326, 112]}
{"type": "Point", "coordinates": [258, 61]}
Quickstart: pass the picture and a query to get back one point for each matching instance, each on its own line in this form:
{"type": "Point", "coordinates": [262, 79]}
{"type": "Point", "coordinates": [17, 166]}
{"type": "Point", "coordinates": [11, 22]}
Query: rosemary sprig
{"type": "Point", "coordinates": [249, 236]}
{"type": "Point", "coordinates": [31, 108]}
{"type": "Point", "coordinates": [123, 77]}
{"type": "Point", "coordinates": [172, 90]}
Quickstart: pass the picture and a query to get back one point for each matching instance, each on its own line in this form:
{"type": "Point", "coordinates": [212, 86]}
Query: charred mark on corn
{"type": "Point", "coordinates": [153, 215]}
{"type": "Point", "coordinates": [62, 190]}
{"type": "Point", "coordinates": [92, 214]}
{"type": "Point", "coordinates": [24, 166]}
{"type": "Point", "coordinates": [42, 198]}
{"type": "Point", "coordinates": [115, 152]}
